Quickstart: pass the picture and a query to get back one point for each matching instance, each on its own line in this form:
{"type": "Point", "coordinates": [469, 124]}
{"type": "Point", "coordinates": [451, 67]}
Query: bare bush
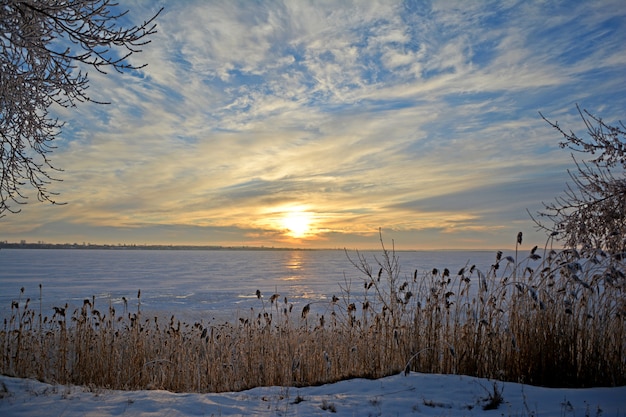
{"type": "Point", "coordinates": [591, 215]}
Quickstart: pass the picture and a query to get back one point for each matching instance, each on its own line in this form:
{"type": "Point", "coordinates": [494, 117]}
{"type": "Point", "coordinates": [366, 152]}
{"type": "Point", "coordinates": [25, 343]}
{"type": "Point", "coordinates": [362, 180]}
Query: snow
{"type": "Point", "coordinates": [415, 394]}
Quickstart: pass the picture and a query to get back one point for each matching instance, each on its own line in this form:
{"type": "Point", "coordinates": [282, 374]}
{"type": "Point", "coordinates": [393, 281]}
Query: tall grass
{"type": "Point", "coordinates": [553, 319]}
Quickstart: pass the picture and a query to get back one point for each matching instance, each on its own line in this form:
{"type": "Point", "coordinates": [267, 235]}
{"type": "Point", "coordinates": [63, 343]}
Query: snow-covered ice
{"type": "Point", "coordinates": [413, 395]}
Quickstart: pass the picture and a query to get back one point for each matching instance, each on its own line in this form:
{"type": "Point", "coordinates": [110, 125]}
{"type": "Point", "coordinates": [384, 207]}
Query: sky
{"type": "Point", "coordinates": [316, 124]}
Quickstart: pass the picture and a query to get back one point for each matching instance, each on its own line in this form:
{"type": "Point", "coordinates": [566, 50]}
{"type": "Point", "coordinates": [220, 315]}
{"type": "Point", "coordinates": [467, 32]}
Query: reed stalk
{"type": "Point", "coordinates": [553, 320]}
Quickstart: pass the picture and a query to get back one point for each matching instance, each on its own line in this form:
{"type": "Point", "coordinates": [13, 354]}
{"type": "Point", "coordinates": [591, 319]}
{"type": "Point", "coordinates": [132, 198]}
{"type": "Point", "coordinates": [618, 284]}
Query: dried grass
{"type": "Point", "coordinates": [553, 319]}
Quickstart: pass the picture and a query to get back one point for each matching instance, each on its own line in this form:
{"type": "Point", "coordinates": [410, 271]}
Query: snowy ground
{"type": "Point", "coordinates": [400, 395]}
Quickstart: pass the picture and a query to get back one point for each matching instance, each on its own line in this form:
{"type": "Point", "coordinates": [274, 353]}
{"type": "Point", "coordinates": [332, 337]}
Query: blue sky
{"type": "Point", "coordinates": [315, 123]}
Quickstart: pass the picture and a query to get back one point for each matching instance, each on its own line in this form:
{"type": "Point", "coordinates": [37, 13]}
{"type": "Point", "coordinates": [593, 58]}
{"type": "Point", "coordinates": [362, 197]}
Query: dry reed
{"type": "Point", "coordinates": [554, 319]}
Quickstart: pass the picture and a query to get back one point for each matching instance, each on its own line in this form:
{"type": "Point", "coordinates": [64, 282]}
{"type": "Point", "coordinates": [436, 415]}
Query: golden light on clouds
{"type": "Point", "coordinates": [276, 134]}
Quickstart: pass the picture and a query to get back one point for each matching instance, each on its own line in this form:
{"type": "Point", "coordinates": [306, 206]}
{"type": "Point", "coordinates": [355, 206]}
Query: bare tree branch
{"type": "Point", "coordinates": [43, 45]}
{"type": "Point", "coordinates": [591, 214]}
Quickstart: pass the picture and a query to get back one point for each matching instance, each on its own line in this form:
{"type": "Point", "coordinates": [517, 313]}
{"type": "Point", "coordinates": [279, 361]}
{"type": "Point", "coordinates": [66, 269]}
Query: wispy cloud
{"type": "Point", "coordinates": [416, 117]}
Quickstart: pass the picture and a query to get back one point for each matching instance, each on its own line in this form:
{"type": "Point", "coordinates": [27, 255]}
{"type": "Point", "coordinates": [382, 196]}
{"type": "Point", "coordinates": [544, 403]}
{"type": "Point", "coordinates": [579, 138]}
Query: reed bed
{"type": "Point", "coordinates": [552, 319]}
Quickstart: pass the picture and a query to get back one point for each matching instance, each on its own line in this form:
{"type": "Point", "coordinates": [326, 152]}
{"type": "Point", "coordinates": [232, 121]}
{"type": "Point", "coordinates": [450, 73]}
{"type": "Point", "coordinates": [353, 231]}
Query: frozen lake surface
{"type": "Point", "coordinates": [197, 284]}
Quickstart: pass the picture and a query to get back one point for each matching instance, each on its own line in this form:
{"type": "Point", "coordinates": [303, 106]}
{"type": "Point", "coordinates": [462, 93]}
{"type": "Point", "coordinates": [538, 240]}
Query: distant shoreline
{"type": "Point", "coordinates": [90, 246]}
{"type": "Point", "coordinates": [123, 246]}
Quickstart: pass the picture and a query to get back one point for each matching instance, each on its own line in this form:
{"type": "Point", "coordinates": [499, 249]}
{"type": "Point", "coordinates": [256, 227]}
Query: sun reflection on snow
{"type": "Point", "coordinates": [295, 260]}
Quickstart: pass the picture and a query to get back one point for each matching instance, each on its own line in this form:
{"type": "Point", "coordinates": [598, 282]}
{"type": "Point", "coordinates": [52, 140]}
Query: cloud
{"type": "Point", "coordinates": [368, 114]}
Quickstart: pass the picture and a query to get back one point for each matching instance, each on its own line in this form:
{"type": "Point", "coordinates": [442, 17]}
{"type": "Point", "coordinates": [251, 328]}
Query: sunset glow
{"type": "Point", "coordinates": [314, 124]}
{"type": "Point", "coordinates": [297, 223]}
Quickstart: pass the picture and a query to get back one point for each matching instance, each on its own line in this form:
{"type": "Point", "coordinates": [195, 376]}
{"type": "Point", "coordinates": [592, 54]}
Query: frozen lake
{"type": "Point", "coordinates": [197, 284]}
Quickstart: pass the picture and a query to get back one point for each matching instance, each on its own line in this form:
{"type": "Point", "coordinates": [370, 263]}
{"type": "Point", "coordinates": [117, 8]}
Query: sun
{"type": "Point", "coordinates": [298, 223]}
